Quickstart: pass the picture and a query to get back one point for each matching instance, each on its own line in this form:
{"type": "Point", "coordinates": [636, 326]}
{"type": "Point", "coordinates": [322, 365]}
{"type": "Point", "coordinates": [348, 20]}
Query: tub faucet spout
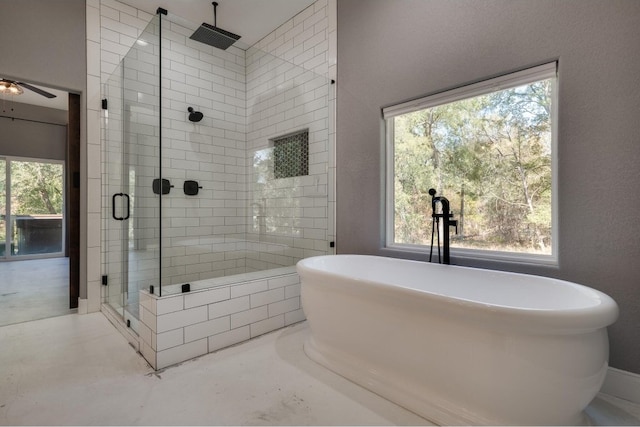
{"type": "Point", "coordinates": [447, 222]}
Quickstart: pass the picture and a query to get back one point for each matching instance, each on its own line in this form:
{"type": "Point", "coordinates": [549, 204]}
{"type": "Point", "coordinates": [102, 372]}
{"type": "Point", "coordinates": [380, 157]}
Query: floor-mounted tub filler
{"type": "Point", "coordinates": [459, 345]}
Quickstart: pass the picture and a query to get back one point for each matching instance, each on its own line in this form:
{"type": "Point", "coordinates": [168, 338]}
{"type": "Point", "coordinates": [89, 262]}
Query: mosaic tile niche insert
{"type": "Point", "coordinates": [291, 155]}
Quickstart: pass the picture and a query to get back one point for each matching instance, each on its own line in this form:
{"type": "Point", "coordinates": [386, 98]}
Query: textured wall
{"type": "Point", "coordinates": [389, 52]}
{"type": "Point", "coordinates": [47, 39]}
{"type": "Point", "coordinates": [43, 138]}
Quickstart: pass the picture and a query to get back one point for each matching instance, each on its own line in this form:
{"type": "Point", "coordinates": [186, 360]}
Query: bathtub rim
{"type": "Point", "coordinates": [546, 321]}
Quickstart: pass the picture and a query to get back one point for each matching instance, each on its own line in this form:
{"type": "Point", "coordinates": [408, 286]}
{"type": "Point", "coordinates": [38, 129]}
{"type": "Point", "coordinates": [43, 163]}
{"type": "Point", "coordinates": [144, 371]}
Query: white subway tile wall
{"type": "Point", "coordinates": [243, 220]}
{"type": "Point", "coordinates": [224, 316]}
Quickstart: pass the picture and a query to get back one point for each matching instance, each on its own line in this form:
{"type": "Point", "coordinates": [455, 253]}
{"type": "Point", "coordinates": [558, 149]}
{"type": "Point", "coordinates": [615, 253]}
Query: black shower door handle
{"type": "Point", "coordinates": [113, 207]}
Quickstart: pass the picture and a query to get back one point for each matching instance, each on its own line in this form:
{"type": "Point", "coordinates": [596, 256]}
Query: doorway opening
{"type": "Point", "coordinates": [39, 208]}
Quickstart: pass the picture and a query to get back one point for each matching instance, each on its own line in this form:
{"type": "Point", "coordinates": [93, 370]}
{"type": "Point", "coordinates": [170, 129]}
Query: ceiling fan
{"type": "Point", "coordinates": [13, 87]}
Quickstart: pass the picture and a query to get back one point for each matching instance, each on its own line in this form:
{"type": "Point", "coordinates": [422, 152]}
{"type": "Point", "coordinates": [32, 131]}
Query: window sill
{"type": "Point", "coordinates": [459, 256]}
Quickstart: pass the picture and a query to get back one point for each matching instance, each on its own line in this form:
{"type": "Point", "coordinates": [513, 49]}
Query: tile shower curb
{"type": "Point", "coordinates": [176, 328]}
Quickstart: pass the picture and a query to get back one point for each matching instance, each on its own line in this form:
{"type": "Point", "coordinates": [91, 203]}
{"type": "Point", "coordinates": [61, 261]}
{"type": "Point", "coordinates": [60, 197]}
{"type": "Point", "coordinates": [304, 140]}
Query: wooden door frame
{"type": "Point", "coordinates": [73, 199]}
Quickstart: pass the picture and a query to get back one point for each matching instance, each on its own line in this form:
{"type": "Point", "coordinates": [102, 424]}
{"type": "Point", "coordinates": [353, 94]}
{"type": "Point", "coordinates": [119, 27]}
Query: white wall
{"type": "Point", "coordinates": [47, 42]}
{"type": "Point", "coordinates": [42, 134]}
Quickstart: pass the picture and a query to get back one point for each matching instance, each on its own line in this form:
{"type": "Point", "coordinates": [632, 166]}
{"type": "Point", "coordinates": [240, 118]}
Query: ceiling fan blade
{"type": "Point", "coordinates": [36, 90]}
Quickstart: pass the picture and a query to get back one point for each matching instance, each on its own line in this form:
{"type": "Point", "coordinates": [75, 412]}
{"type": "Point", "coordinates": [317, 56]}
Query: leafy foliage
{"type": "Point", "coordinates": [36, 188]}
{"type": "Point", "coordinates": [491, 157]}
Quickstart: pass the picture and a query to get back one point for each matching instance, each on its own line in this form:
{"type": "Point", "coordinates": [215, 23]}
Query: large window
{"type": "Point", "coordinates": [487, 147]}
{"type": "Point", "coordinates": [31, 208]}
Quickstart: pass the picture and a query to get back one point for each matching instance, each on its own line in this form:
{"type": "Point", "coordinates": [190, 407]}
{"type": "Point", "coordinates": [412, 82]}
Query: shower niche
{"type": "Point", "coordinates": [246, 160]}
{"type": "Point", "coordinates": [291, 155]}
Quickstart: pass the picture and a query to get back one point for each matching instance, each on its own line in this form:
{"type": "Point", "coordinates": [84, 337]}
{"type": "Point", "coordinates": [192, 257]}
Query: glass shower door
{"type": "Point", "coordinates": [132, 162]}
{"type": "Point", "coordinates": [114, 260]}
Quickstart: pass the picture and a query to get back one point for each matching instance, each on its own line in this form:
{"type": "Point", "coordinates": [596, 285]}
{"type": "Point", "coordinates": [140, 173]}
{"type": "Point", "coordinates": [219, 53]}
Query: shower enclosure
{"type": "Point", "coordinates": [239, 195]}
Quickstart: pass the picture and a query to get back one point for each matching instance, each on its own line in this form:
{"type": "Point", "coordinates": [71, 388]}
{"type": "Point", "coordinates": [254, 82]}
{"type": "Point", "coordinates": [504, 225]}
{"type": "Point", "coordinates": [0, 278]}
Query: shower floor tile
{"type": "Point", "coordinates": [77, 369]}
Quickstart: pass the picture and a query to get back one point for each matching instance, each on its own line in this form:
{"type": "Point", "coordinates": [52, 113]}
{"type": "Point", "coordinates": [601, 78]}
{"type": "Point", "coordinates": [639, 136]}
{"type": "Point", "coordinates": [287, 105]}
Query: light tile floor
{"type": "Point", "coordinates": [79, 370]}
{"type": "Point", "coordinates": [34, 289]}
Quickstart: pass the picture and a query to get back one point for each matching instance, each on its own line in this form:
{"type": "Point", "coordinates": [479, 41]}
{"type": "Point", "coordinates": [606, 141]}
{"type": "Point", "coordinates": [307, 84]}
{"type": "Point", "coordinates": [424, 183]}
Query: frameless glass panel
{"type": "Point", "coordinates": [259, 157]}
{"type": "Point", "coordinates": [131, 214]}
{"type": "Point", "coordinates": [141, 165]}
{"type": "Point", "coordinates": [37, 207]}
{"type": "Point", "coordinates": [112, 251]}
{"type": "Point", "coordinates": [287, 162]}
{"type": "Point", "coordinates": [288, 181]}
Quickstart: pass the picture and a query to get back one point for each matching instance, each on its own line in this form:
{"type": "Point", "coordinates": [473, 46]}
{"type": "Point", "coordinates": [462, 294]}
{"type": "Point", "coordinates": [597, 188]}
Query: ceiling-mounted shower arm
{"type": "Point", "coordinates": [213, 35]}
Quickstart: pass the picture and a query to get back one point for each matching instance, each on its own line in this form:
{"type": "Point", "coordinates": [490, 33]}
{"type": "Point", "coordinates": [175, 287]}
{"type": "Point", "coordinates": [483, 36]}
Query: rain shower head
{"type": "Point", "coordinates": [212, 35]}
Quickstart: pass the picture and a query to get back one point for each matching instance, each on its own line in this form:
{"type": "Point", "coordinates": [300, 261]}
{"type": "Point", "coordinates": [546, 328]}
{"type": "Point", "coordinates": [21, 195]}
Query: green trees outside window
{"type": "Point", "coordinates": [36, 207]}
{"type": "Point", "coordinates": [36, 188]}
{"type": "Point", "coordinates": [491, 156]}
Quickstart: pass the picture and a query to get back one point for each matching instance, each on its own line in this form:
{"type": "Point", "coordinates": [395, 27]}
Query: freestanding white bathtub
{"type": "Point", "coordinates": [459, 345]}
